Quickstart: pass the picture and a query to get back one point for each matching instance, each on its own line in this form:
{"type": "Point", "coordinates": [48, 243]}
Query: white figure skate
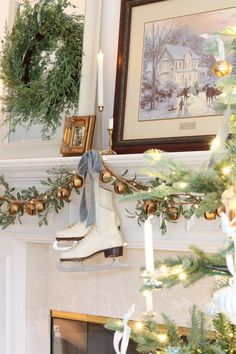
{"type": "Point", "coordinates": [107, 240]}
{"type": "Point", "coordinates": [78, 231]}
{"type": "Point", "coordinates": [68, 238]}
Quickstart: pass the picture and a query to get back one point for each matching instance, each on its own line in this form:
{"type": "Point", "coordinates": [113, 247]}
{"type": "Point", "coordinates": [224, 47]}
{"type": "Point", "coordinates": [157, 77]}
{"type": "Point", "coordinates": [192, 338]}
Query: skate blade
{"type": "Point", "coordinates": [56, 246]}
{"type": "Point", "coordinates": [81, 267]}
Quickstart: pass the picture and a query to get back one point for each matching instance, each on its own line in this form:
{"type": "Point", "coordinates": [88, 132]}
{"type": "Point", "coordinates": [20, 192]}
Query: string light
{"type": "Point", "coordinates": [177, 270]}
{"type": "Point", "coordinates": [182, 276]}
{"type": "Point", "coordinates": [138, 325]}
{"type": "Point", "coordinates": [183, 185]}
{"type": "Point", "coordinates": [226, 170]}
{"type": "Point", "coordinates": [162, 337]}
{"type": "Point", "coordinates": [163, 269]}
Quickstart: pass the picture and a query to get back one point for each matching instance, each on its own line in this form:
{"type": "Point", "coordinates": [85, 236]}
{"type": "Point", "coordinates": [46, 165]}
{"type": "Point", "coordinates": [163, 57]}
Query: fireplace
{"type": "Point", "coordinates": [73, 333]}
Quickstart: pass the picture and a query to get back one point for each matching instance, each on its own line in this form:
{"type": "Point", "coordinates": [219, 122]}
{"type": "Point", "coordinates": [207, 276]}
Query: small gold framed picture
{"type": "Point", "coordinates": [77, 135]}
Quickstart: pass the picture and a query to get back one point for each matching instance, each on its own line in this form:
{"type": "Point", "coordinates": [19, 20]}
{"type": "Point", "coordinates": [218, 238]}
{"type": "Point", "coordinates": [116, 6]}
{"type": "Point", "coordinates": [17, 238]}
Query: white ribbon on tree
{"type": "Point", "coordinates": [225, 298]}
{"type": "Point", "coordinates": [121, 340]}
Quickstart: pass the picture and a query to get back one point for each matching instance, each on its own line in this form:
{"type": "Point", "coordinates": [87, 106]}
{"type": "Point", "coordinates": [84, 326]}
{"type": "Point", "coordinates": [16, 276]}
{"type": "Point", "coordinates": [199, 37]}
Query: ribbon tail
{"type": "Point", "coordinates": [125, 339]}
{"type": "Point", "coordinates": [221, 138]}
{"type": "Point", "coordinates": [83, 207]}
{"type": "Point", "coordinates": [230, 264]}
{"type": "Point", "coordinates": [116, 341]}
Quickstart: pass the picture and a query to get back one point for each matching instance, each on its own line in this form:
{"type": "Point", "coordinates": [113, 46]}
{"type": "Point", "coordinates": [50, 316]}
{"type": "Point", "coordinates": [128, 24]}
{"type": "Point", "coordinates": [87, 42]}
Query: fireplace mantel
{"type": "Point", "coordinates": [17, 240]}
{"type": "Point", "coordinates": [22, 173]}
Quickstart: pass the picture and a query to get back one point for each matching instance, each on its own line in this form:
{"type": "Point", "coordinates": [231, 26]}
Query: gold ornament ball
{"type": "Point", "coordinates": [221, 68]}
{"type": "Point", "coordinates": [120, 187]}
{"type": "Point", "coordinates": [231, 215]}
{"type": "Point", "coordinates": [14, 208]}
{"type": "Point", "coordinates": [105, 176]}
{"type": "Point", "coordinates": [77, 181]}
{"type": "Point", "coordinates": [173, 213]}
{"type": "Point", "coordinates": [220, 210]}
{"type": "Point", "coordinates": [39, 206]}
{"type": "Point", "coordinates": [210, 215]}
{"type": "Point", "coordinates": [30, 209]}
{"type": "Point", "coordinates": [63, 193]}
{"type": "Point", "coordinates": [149, 206]}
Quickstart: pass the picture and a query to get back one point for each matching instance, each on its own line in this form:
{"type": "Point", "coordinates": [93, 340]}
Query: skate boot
{"type": "Point", "coordinates": [79, 230]}
{"type": "Point", "coordinates": [107, 240]}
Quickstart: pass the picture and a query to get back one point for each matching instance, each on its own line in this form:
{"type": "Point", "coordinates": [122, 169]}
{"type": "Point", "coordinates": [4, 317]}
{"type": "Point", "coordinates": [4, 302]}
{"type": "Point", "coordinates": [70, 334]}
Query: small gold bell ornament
{"type": "Point", "coordinates": [221, 68]}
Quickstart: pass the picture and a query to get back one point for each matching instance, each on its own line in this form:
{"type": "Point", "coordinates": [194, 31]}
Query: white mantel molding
{"type": "Point", "coordinates": [35, 168]}
{"type": "Point", "coordinates": [22, 173]}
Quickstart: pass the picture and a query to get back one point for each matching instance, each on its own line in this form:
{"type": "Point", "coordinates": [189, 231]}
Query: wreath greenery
{"type": "Point", "coordinates": [41, 65]}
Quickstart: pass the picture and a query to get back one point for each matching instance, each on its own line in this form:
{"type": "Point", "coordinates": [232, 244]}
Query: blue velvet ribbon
{"type": "Point", "coordinates": [89, 165]}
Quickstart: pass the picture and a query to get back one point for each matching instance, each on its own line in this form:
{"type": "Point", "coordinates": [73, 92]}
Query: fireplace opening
{"type": "Point", "coordinates": [73, 333]}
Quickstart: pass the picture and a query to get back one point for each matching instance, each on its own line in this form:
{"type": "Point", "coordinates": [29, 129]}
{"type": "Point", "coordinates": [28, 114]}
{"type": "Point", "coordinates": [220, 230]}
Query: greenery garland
{"type": "Point", "coordinates": [41, 65]}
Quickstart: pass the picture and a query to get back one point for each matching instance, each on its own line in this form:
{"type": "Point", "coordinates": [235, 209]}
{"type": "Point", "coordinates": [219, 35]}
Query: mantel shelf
{"type": "Point", "coordinates": [193, 158]}
{"type": "Point", "coordinates": [22, 173]}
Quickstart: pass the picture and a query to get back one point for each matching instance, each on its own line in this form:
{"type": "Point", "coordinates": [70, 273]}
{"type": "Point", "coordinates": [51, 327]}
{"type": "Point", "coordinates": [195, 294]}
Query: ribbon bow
{"type": "Point", "coordinates": [226, 225]}
{"type": "Point", "coordinates": [90, 165]}
{"type": "Point", "coordinates": [121, 340]}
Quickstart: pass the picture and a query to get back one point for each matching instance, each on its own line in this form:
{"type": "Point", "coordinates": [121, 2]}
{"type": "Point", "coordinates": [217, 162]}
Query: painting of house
{"type": "Point", "coordinates": [177, 80]}
{"type": "Point", "coordinates": [181, 65]}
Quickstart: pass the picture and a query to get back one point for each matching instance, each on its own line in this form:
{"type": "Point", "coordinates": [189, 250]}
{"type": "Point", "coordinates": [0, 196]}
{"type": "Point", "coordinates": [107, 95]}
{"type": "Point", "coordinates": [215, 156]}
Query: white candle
{"type": "Point", "coordinates": [148, 244]}
{"type": "Point", "coordinates": [149, 301]}
{"type": "Point", "coordinates": [100, 79]}
{"type": "Point", "coordinates": [149, 259]}
{"type": "Point", "coordinates": [111, 123]}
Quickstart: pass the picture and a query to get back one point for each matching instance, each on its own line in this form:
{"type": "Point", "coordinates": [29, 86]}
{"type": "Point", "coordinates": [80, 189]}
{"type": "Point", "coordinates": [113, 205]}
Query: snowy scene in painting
{"type": "Point", "coordinates": [177, 80]}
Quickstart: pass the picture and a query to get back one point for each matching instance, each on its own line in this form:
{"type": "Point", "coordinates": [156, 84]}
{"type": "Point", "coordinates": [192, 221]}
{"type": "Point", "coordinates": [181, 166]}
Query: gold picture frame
{"type": "Point", "coordinates": [77, 135]}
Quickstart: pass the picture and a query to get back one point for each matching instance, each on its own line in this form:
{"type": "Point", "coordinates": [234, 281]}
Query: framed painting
{"type": "Point", "coordinates": [165, 91]}
{"type": "Point", "coordinates": [78, 135]}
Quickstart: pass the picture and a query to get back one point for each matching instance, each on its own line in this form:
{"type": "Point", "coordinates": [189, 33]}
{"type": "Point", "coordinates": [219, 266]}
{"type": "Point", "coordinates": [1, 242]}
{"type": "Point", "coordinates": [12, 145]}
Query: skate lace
{"type": "Point", "coordinates": [75, 226]}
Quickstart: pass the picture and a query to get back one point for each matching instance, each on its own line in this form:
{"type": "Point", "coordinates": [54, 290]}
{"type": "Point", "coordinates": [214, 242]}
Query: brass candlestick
{"type": "Point", "coordinates": [109, 151]}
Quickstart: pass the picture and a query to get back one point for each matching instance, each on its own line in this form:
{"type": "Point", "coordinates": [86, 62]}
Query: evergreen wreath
{"type": "Point", "coordinates": [41, 65]}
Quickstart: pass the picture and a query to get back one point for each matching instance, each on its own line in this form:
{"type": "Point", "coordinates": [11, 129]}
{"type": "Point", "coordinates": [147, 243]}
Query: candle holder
{"type": "Point", "coordinates": [100, 110]}
{"type": "Point", "coordinates": [150, 316]}
{"type": "Point", "coordinates": [109, 151]}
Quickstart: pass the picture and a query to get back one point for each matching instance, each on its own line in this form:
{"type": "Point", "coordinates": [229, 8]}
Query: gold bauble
{"type": "Point", "coordinates": [63, 193]}
{"type": "Point", "coordinates": [173, 213]}
{"type": "Point", "coordinates": [220, 210]}
{"type": "Point", "coordinates": [14, 208]}
{"type": "Point", "coordinates": [77, 181]}
{"type": "Point", "coordinates": [149, 206]}
{"type": "Point", "coordinates": [120, 187]}
{"type": "Point", "coordinates": [39, 206]}
{"type": "Point", "coordinates": [221, 68]}
{"type": "Point", "coordinates": [105, 176]}
{"type": "Point", "coordinates": [231, 215]}
{"type": "Point", "coordinates": [210, 215]}
{"type": "Point", "coordinates": [30, 208]}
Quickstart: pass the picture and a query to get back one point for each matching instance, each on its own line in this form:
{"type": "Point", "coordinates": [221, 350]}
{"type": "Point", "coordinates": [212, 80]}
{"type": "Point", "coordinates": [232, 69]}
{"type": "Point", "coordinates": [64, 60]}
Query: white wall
{"type": "Point", "coordinates": [109, 45]}
{"type": "Point", "coordinates": [108, 293]}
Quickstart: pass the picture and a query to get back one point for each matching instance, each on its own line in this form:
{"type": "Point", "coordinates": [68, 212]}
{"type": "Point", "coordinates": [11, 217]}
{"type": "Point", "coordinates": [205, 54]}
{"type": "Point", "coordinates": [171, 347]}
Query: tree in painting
{"type": "Point", "coordinates": [176, 71]}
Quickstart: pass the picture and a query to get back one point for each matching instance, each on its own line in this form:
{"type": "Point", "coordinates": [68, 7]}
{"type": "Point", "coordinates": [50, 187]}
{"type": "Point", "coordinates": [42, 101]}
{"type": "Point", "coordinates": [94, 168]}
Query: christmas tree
{"type": "Point", "coordinates": [208, 192]}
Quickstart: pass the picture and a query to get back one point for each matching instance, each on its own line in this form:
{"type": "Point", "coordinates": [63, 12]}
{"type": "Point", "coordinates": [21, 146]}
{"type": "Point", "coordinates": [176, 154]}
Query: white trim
{"type": "Point", "coordinates": [8, 294]}
{"type": "Point", "coordinates": [19, 297]}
